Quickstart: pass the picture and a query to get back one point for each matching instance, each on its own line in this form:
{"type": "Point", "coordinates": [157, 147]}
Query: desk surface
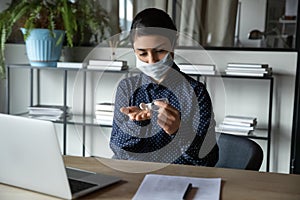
{"type": "Point", "coordinates": [236, 184]}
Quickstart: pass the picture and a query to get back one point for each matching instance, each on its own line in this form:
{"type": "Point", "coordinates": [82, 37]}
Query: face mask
{"type": "Point", "coordinates": [156, 70]}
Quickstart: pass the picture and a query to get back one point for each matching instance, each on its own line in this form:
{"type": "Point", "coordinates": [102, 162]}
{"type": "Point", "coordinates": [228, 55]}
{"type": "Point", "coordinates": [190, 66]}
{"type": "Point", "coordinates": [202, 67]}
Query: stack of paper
{"type": "Point", "coordinates": [238, 125]}
{"type": "Point", "coordinates": [49, 112]}
{"type": "Point", "coordinates": [163, 187]}
{"type": "Point", "coordinates": [248, 69]}
{"type": "Point", "coordinates": [109, 65]}
{"type": "Point", "coordinates": [104, 113]}
{"type": "Point", "coordinates": [205, 69]}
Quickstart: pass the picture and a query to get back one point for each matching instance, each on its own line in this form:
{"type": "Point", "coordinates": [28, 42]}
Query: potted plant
{"type": "Point", "coordinates": [48, 16]}
{"type": "Point", "coordinates": [93, 23]}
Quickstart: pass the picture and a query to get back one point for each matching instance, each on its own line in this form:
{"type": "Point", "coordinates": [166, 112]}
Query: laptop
{"type": "Point", "coordinates": [30, 158]}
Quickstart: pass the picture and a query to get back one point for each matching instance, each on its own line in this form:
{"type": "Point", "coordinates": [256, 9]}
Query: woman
{"type": "Point", "coordinates": [178, 125]}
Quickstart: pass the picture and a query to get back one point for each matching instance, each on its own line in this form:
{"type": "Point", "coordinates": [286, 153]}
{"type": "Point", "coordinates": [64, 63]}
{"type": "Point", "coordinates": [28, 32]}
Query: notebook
{"type": "Point", "coordinates": [31, 158]}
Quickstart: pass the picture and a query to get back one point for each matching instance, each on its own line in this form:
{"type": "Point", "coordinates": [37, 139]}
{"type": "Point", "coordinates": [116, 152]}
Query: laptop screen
{"type": "Point", "coordinates": [31, 157]}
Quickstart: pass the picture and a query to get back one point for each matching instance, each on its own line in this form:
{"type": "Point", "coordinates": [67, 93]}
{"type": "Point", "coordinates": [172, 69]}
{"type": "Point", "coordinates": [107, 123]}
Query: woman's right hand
{"type": "Point", "coordinates": [135, 113]}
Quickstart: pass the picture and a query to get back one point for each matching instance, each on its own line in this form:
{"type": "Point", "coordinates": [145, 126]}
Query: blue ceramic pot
{"type": "Point", "coordinates": [42, 48]}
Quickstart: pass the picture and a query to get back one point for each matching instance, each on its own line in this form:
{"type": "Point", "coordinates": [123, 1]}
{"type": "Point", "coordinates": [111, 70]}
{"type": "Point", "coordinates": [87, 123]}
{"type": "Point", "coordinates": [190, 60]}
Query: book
{"type": "Point", "coordinates": [195, 67]}
{"type": "Point", "coordinates": [47, 109]}
{"type": "Point", "coordinates": [105, 106]}
{"type": "Point", "coordinates": [235, 127]}
{"type": "Point", "coordinates": [117, 63]}
{"type": "Point", "coordinates": [238, 123]}
{"type": "Point", "coordinates": [50, 117]}
{"type": "Point", "coordinates": [104, 122]}
{"type": "Point", "coordinates": [249, 69]}
{"type": "Point", "coordinates": [233, 131]}
{"type": "Point", "coordinates": [207, 72]}
{"type": "Point", "coordinates": [257, 74]}
{"type": "Point", "coordinates": [207, 69]}
{"type": "Point", "coordinates": [104, 113]}
{"type": "Point", "coordinates": [75, 65]}
{"type": "Point", "coordinates": [107, 67]}
{"type": "Point", "coordinates": [104, 117]}
{"type": "Point", "coordinates": [50, 107]}
{"type": "Point", "coordinates": [245, 119]}
{"type": "Point", "coordinates": [253, 65]}
{"type": "Point", "coordinates": [49, 112]}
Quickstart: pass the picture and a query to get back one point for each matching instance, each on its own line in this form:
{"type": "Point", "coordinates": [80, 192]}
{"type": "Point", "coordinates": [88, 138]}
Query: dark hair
{"type": "Point", "coordinates": [153, 21]}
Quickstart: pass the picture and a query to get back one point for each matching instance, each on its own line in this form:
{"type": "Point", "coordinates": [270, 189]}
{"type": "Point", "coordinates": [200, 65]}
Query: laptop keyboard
{"type": "Point", "coordinates": [77, 186]}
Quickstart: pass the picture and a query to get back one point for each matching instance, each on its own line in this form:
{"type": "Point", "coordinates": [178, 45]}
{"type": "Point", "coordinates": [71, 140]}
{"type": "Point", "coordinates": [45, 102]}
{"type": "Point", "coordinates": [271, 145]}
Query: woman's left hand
{"type": "Point", "coordinates": [168, 117]}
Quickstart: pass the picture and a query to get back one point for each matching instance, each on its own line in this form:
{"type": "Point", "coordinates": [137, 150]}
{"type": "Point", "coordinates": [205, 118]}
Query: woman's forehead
{"type": "Point", "coordinates": [151, 42]}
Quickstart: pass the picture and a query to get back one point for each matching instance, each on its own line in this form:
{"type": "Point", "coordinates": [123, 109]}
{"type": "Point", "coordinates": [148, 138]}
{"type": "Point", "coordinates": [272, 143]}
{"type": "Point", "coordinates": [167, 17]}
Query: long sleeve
{"type": "Point", "coordinates": [203, 150]}
{"type": "Point", "coordinates": [131, 139]}
{"type": "Point", "coordinates": [194, 143]}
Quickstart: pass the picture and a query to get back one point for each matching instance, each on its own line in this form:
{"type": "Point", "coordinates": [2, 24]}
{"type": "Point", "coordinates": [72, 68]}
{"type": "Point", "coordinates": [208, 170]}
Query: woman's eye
{"type": "Point", "coordinates": [160, 51]}
{"type": "Point", "coordinates": [143, 54]}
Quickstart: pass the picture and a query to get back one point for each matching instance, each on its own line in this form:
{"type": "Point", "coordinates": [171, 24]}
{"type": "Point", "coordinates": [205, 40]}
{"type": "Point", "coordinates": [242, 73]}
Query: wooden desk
{"type": "Point", "coordinates": [236, 184]}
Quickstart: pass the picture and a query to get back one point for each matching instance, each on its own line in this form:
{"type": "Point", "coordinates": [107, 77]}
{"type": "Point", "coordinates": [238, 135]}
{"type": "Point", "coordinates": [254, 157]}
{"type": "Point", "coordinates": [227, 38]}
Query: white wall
{"type": "Point", "coordinates": [240, 95]}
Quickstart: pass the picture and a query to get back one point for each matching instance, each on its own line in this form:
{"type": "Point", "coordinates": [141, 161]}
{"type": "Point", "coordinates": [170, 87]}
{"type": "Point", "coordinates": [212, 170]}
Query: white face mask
{"type": "Point", "coordinates": [156, 70]}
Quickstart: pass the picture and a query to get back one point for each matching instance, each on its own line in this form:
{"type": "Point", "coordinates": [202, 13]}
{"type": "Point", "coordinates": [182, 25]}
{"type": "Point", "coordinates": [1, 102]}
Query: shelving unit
{"type": "Point", "coordinates": [257, 134]}
{"type": "Point", "coordinates": [85, 120]}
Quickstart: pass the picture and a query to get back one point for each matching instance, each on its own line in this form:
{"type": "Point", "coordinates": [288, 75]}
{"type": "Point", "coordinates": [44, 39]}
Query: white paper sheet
{"type": "Point", "coordinates": [173, 187]}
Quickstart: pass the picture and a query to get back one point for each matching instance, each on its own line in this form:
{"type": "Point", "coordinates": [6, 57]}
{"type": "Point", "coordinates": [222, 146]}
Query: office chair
{"type": "Point", "coordinates": [239, 153]}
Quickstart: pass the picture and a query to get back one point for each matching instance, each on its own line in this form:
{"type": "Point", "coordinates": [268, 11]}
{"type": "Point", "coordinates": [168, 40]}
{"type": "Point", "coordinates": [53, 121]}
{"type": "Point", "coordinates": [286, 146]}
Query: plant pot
{"type": "Point", "coordinates": [43, 49]}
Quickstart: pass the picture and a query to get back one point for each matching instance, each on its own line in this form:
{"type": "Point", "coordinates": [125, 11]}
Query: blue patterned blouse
{"type": "Point", "coordinates": [194, 143]}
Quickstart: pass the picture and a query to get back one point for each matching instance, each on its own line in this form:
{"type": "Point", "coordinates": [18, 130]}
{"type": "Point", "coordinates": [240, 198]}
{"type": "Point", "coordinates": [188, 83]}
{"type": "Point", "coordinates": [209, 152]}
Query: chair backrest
{"type": "Point", "coordinates": [239, 153]}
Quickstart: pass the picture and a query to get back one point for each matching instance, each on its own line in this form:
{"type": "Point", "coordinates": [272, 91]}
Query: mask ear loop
{"type": "Point", "coordinates": [174, 42]}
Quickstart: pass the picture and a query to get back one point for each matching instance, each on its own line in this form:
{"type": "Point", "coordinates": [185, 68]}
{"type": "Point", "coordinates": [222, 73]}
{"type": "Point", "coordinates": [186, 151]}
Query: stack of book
{"type": "Point", "coordinates": [205, 69]}
{"type": "Point", "coordinates": [238, 125]}
{"type": "Point", "coordinates": [104, 113]}
{"type": "Point", "coordinates": [49, 112]}
{"type": "Point", "coordinates": [107, 65]}
{"type": "Point", "coordinates": [248, 69]}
